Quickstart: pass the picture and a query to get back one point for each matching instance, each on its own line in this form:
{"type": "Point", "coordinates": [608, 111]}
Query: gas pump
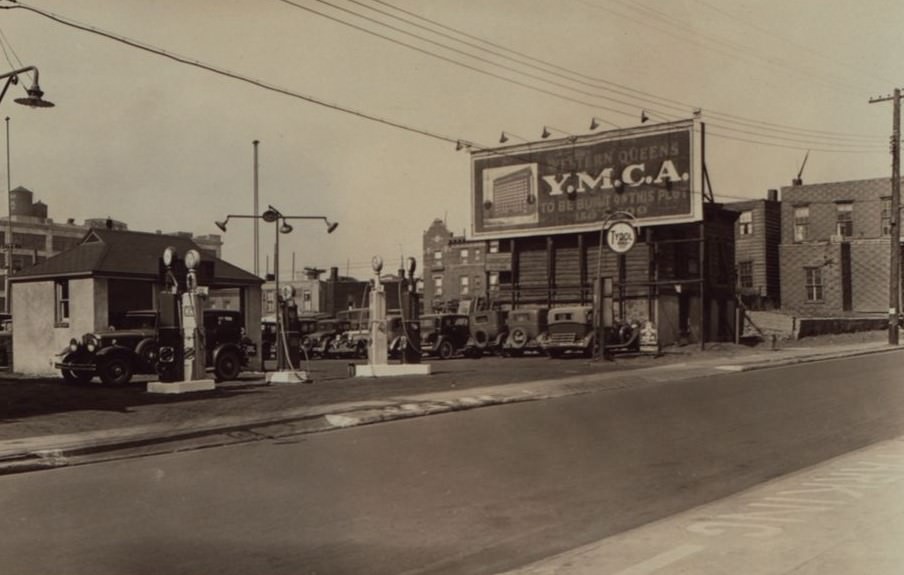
{"type": "Point", "coordinates": [169, 332]}
{"type": "Point", "coordinates": [289, 311]}
{"type": "Point", "coordinates": [194, 352]}
{"type": "Point", "coordinates": [182, 355]}
{"type": "Point", "coordinates": [411, 352]}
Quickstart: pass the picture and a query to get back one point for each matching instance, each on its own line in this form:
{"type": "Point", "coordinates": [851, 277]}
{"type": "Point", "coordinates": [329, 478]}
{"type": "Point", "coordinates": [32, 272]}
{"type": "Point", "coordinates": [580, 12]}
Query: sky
{"type": "Point", "coordinates": [358, 104]}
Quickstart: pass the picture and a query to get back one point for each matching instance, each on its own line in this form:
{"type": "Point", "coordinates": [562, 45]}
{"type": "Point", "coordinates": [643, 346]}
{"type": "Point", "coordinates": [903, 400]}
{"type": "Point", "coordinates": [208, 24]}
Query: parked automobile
{"type": "Point", "coordinates": [569, 330]}
{"type": "Point", "coordinates": [317, 343]}
{"type": "Point", "coordinates": [303, 326]}
{"type": "Point", "coordinates": [446, 335]}
{"type": "Point", "coordinates": [525, 329]}
{"type": "Point", "coordinates": [354, 341]}
{"type": "Point", "coordinates": [131, 347]}
{"type": "Point", "coordinates": [6, 340]}
{"type": "Point", "coordinates": [489, 330]}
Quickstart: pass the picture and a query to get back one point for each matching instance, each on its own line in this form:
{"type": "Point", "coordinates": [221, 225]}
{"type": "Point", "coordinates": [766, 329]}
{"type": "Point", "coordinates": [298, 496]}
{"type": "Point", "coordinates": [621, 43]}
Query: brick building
{"type": "Point", "coordinates": [835, 248]}
{"type": "Point", "coordinates": [758, 234]}
{"type": "Point", "coordinates": [455, 269]}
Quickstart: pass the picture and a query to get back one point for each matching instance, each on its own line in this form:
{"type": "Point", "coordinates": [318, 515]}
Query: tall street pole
{"type": "Point", "coordinates": [894, 218]}
{"type": "Point", "coordinates": [256, 247]}
{"type": "Point", "coordinates": [9, 227]}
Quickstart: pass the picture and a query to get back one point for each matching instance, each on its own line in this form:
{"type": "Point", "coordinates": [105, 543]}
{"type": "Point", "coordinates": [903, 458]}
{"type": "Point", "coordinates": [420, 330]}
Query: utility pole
{"type": "Point", "coordinates": [894, 217]}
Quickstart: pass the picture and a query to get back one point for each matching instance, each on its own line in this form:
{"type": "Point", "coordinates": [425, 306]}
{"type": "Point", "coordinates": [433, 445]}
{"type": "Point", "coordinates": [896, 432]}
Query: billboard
{"type": "Point", "coordinates": [575, 184]}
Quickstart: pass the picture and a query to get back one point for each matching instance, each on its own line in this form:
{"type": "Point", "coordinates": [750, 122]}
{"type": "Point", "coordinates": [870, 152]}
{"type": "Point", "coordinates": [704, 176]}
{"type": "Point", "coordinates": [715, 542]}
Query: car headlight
{"type": "Point", "coordinates": [73, 345]}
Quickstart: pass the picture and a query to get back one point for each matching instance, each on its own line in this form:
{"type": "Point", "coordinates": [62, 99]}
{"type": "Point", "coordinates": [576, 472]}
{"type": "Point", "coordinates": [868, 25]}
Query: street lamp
{"type": "Point", "coordinates": [35, 99]}
{"type": "Point", "coordinates": [273, 216]}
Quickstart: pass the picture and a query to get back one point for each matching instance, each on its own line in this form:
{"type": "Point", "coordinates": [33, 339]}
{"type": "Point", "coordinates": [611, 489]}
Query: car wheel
{"type": "Point", "coordinates": [115, 371]}
{"type": "Point", "coordinates": [76, 377]}
{"type": "Point", "coordinates": [446, 351]}
{"type": "Point", "coordinates": [227, 366]}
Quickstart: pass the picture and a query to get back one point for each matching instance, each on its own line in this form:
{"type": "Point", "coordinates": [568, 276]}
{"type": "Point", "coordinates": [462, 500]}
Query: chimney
{"type": "Point", "coordinates": [334, 274]}
{"type": "Point", "coordinates": [772, 195]}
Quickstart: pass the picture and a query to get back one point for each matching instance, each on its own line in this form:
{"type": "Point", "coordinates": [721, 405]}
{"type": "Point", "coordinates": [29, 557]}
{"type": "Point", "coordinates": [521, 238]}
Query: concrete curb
{"type": "Point", "coordinates": [32, 454]}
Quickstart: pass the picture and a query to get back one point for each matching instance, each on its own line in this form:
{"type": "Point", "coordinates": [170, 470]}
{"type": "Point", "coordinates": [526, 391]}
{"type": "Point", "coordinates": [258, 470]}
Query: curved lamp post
{"type": "Point", "coordinates": [273, 216]}
{"type": "Point", "coordinates": [34, 99]}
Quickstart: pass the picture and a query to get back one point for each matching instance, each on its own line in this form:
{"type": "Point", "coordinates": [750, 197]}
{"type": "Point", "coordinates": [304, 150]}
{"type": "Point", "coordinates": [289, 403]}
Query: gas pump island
{"type": "Point", "coordinates": [182, 353]}
{"type": "Point", "coordinates": [377, 348]}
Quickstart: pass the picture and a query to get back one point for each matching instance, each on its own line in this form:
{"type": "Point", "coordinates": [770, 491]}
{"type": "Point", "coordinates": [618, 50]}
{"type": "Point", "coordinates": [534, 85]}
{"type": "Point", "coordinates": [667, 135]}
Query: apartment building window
{"type": "Point", "coordinates": [745, 223]}
{"type": "Point", "coordinates": [464, 285]}
{"type": "Point", "coordinates": [493, 280]}
{"type": "Point", "coordinates": [745, 274]}
{"type": "Point", "coordinates": [61, 302]}
{"type": "Point", "coordinates": [271, 301]}
{"type": "Point", "coordinates": [438, 257]}
{"type": "Point", "coordinates": [437, 286]}
{"type": "Point", "coordinates": [844, 222]}
{"type": "Point", "coordinates": [814, 284]}
{"type": "Point", "coordinates": [494, 247]}
{"type": "Point", "coordinates": [801, 223]}
{"type": "Point", "coordinates": [885, 216]}
{"type": "Point", "coordinates": [463, 254]}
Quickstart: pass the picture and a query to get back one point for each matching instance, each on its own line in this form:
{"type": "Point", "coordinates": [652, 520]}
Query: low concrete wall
{"type": "Point", "coordinates": [807, 326]}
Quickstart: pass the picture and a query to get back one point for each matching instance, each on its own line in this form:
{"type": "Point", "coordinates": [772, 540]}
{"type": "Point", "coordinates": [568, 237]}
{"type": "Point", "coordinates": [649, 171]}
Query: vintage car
{"type": "Point", "coordinates": [354, 341]}
{"type": "Point", "coordinates": [446, 335]}
{"type": "Point", "coordinates": [317, 343]}
{"type": "Point", "coordinates": [569, 330]}
{"type": "Point", "coordinates": [131, 347]}
{"type": "Point", "coordinates": [6, 340]}
{"type": "Point", "coordinates": [489, 330]}
{"type": "Point", "coordinates": [572, 330]}
{"type": "Point", "coordinates": [525, 329]}
{"type": "Point", "coordinates": [302, 326]}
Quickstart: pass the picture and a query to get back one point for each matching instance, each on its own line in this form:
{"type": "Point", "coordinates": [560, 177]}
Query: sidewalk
{"type": "Point", "coordinates": [842, 516]}
{"type": "Point", "coordinates": [48, 424]}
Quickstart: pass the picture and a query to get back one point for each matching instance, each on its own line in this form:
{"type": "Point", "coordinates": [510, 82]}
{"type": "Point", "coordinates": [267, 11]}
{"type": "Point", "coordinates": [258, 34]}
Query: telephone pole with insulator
{"type": "Point", "coordinates": [894, 217]}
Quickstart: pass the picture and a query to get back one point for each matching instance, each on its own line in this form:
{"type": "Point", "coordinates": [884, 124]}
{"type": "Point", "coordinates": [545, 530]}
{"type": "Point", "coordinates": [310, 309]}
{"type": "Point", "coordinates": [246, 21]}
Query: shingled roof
{"type": "Point", "coordinates": [126, 254]}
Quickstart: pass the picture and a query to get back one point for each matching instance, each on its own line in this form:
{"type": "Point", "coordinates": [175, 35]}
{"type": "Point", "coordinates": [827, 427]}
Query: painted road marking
{"type": "Point", "coordinates": [654, 564]}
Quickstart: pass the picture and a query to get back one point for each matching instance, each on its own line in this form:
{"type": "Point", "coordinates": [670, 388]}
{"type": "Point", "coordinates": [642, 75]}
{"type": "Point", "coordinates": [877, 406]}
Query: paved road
{"type": "Point", "coordinates": [470, 492]}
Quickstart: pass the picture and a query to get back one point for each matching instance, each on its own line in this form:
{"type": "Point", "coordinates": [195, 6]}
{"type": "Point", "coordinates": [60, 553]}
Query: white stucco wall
{"type": "Point", "coordinates": [36, 338]}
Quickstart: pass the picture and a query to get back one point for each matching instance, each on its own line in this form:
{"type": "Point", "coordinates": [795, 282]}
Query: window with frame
{"type": "Point", "coordinates": [437, 285]}
{"type": "Point", "coordinates": [801, 223]}
{"type": "Point", "coordinates": [814, 284]}
{"type": "Point", "coordinates": [844, 219]}
{"type": "Point", "coordinates": [463, 254]}
{"type": "Point", "coordinates": [493, 280]}
{"type": "Point", "coordinates": [745, 223]}
{"type": "Point", "coordinates": [438, 256]}
{"type": "Point", "coordinates": [885, 216]}
{"type": "Point", "coordinates": [61, 302]}
{"type": "Point", "coordinates": [271, 301]}
{"type": "Point", "coordinates": [464, 285]}
{"type": "Point", "coordinates": [494, 247]}
{"type": "Point", "coordinates": [745, 274]}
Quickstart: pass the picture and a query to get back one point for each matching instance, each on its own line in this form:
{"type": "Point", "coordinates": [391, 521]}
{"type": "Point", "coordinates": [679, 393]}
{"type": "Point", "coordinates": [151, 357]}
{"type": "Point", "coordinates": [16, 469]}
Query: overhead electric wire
{"type": "Point", "coordinates": [733, 50]}
{"type": "Point", "coordinates": [336, 107]}
{"type": "Point", "coordinates": [424, 51]}
{"type": "Point", "coordinates": [4, 44]}
{"type": "Point", "coordinates": [863, 71]}
{"type": "Point", "coordinates": [604, 84]}
{"type": "Point", "coordinates": [234, 75]}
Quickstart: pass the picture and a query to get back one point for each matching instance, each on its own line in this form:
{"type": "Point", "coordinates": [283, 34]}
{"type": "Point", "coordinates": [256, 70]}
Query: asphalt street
{"type": "Point", "coordinates": [469, 492]}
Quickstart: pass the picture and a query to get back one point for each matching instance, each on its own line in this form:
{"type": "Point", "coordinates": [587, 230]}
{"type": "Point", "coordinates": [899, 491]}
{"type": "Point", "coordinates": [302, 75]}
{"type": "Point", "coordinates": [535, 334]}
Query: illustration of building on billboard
{"type": "Point", "coordinates": [510, 195]}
